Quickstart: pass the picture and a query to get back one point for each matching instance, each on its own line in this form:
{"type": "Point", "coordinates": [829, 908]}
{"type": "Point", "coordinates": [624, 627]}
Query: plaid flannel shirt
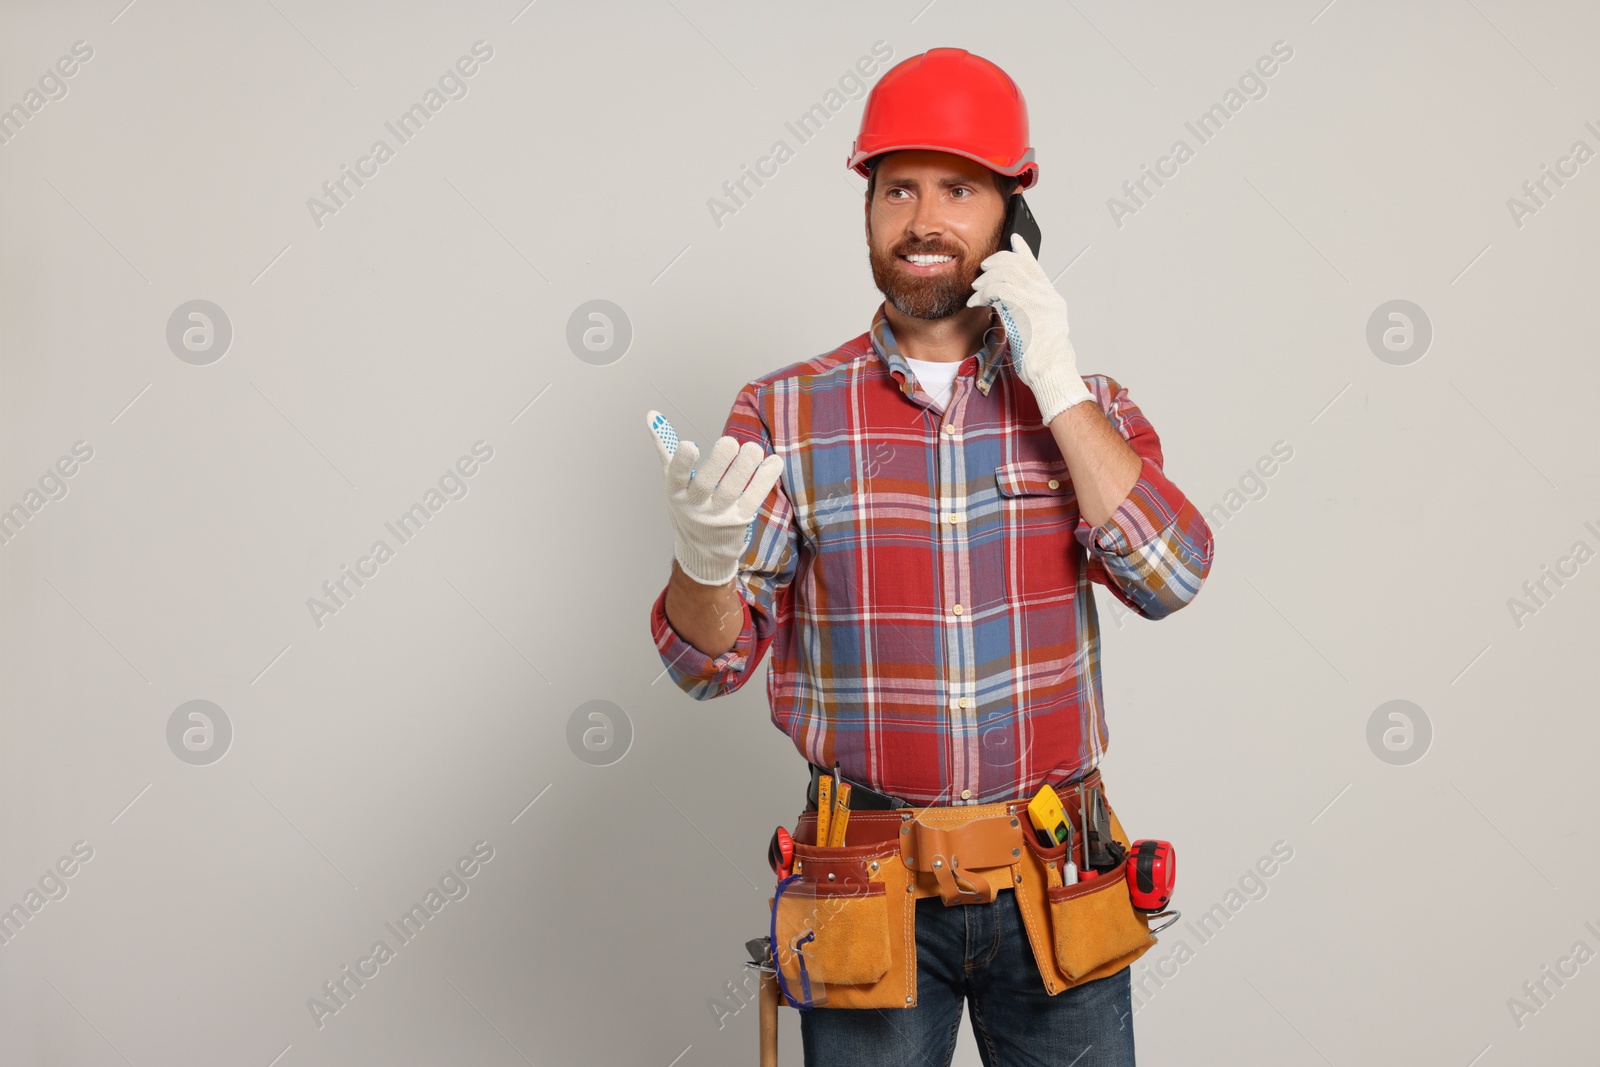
{"type": "Point", "coordinates": [924, 578]}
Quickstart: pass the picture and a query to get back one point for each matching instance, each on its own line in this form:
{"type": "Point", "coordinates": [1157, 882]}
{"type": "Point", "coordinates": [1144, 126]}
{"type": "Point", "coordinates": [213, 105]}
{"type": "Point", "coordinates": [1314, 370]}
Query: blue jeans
{"type": "Point", "coordinates": [980, 952]}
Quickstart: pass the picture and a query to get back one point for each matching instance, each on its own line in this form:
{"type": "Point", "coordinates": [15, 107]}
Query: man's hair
{"type": "Point", "coordinates": [1003, 183]}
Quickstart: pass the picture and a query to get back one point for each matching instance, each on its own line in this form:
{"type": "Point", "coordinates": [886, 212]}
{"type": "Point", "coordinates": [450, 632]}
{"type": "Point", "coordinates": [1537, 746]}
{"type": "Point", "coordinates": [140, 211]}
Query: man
{"type": "Point", "coordinates": [923, 569]}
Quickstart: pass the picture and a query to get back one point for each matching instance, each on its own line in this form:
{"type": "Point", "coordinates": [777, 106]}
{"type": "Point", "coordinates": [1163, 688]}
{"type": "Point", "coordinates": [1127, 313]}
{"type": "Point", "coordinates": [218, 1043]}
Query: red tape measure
{"type": "Point", "coordinates": [1152, 872]}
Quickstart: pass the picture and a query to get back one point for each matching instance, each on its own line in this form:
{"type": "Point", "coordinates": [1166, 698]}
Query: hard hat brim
{"type": "Point", "coordinates": [1025, 169]}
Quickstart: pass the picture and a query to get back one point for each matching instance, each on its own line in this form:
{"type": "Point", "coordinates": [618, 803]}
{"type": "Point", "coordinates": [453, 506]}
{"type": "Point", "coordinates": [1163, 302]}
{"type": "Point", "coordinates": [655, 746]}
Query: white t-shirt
{"type": "Point", "coordinates": [937, 378]}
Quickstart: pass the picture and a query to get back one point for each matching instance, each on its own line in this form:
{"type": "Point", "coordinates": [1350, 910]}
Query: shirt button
{"type": "Point", "coordinates": [949, 428]}
{"type": "Point", "coordinates": [1054, 484]}
{"type": "Point", "coordinates": [966, 794]}
{"type": "Point", "coordinates": [963, 702]}
{"type": "Point", "coordinates": [952, 519]}
{"type": "Point", "coordinates": [956, 609]}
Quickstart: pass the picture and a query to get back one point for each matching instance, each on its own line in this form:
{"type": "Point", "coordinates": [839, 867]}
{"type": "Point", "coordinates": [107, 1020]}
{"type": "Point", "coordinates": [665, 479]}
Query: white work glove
{"type": "Point", "coordinates": [1035, 318]}
{"type": "Point", "coordinates": [712, 509]}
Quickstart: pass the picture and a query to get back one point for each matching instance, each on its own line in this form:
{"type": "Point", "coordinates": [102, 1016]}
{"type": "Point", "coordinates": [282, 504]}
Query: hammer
{"type": "Point", "coordinates": [760, 949]}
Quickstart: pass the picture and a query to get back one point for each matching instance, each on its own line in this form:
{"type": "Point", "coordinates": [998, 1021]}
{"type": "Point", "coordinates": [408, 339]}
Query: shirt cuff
{"type": "Point", "coordinates": [1150, 507]}
{"type": "Point", "coordinates": [689, 664]}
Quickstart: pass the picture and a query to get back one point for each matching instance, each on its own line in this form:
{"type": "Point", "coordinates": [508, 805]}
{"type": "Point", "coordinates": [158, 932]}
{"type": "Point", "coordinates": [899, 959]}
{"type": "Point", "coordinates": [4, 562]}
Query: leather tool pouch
{"type": "Point", "coordinates": [843, 929]}
{"type": "Point", "coordinates": [1095, 922]}
{"type": "Point", "coordinates": [1094, 929]}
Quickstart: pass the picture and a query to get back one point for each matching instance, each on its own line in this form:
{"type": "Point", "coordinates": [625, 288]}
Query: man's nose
{"type": "Point", "coordinates": [926, 223]}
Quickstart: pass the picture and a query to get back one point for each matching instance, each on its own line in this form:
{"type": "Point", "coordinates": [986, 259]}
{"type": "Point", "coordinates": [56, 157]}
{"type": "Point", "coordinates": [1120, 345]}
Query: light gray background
{"type": "Point", "coordinates": [429, 713]}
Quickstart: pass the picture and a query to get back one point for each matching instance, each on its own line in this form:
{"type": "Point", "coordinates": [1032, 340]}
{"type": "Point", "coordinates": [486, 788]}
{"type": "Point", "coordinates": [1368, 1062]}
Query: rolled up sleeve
{"type": "Point", "coordinates": [1155, 550]}
{"type": "Point", "coordinates": [763, 582]}
{"type": "Point", "coordinates": [692, 670]}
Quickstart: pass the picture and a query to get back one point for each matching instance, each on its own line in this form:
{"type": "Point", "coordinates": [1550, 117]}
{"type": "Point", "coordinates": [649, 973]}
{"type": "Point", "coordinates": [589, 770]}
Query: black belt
{"type": "Point", "coordinates": [864, 799]}
{"type": "Point", "coordinates": [861, 798]}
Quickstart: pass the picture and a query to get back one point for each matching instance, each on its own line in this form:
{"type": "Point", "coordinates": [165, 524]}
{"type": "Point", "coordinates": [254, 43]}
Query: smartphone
{"type": "Point", "coordinates": [1020, 220]}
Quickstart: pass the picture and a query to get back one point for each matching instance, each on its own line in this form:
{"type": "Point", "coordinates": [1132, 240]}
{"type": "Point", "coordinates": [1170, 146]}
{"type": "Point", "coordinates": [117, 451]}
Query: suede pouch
{"type": "Point", "coordinates": [1095, 922]}
{"type": "Point", "coordinates": [1065, 933]}
{"type": "Point", "coordinates": [843, 929]}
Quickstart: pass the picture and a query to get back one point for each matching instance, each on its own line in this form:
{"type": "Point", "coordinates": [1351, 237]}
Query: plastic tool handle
{"type": "Point", "coordinates": [669, 440]}
{"type": "Point", "coordinates": [780, 853]}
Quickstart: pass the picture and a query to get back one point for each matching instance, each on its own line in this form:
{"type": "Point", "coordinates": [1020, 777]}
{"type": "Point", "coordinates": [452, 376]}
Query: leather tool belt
{"type": "Point", "coordinates": [844, 924]}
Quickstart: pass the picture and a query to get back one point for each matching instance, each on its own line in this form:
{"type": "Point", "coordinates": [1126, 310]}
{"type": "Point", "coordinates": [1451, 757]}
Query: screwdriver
{"type": "Point", "coordinates": [1083, 822]}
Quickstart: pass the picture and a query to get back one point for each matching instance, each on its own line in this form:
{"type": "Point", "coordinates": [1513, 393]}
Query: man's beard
{"type": "Point", "coordinates": [936, 297]}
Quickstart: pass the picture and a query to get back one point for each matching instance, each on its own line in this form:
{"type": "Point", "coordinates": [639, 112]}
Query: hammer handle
{"type": "Point", "coordinates": [769, 1019]}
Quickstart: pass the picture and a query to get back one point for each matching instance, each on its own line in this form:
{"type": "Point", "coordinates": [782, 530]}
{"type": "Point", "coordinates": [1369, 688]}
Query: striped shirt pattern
{"type": "Point", "coordinates": [923, 577]}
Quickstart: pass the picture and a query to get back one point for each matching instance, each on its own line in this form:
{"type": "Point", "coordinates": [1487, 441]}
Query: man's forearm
{"type": "Point", "coordinates": [1103, 466]}
{"type": "Point", "coordinates": [707, 616]}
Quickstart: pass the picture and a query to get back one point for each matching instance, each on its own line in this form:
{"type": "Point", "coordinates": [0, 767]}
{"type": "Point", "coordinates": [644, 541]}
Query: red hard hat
{"type": "Point", "coordinates": [948, 100]}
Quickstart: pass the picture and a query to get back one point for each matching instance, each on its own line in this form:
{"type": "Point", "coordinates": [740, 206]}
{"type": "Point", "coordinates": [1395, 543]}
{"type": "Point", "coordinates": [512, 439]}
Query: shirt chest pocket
{"type": "Point", "coordinates": [1041, 518]}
